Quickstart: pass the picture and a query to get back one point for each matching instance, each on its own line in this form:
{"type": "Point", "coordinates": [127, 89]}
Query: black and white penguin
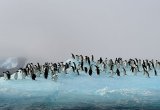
{"type": "Point", "coordinates": [90, 71]}
{"type": "Point", "coordinates": [92, 58]}
{"type": "Point", "coordinates": [85, 69]}
{"type": "Point", "coordinates": [77, 70]}
{"type": "Point", "coordinates": [82, 65]}
{"type": "Point", "coordinates": [5, 76]}
{"type": "Point", "coordinates": [100, 60]}
{"type": "Point", "coordinates": [46, 72]}
{"type": "Point", "coordinates": [89, 62]}
{"type": "Point", "coordinates": [97, 70]}
{"type": "Point", "coordinates": [124, 71]}
{"type": "Point", "coordinates": [16, 75]}
{"type": "Point", "coordinates": [73, 56]}
{"type": "Point", "coordinates": [73, 69]}
{"type": "Point", "coordinates": [118, 72]}
{"type": "Point", "coordinates": [33, 76]}
{"type": "Point", "coordinates": [55, 77]}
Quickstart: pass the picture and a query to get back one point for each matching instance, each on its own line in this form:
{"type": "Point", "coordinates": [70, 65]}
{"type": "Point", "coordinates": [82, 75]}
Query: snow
{"type": "Point", "coordinates": [72, 91]}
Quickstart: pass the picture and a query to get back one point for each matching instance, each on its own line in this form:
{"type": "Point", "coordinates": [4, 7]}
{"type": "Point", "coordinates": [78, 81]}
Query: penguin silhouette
{"type": "Point", "coordinates": [8, 75]}
{"type": "Point", "coordinates": [90, 71]}
{"type": "Point", "coordinates": [85, 69]}
{"type": "Point", "coordinates": [33, 76]}
{"type": "Point", "coordinates": [98, 71]}
{"type": "Point", "coordinates": [73, 56]}
{"type": "Point", "coordinates": [46, 73]}
{"type": "Point", "coordinates": [92, 58]}
{"type": "Point", "coordinates": [118, 72]}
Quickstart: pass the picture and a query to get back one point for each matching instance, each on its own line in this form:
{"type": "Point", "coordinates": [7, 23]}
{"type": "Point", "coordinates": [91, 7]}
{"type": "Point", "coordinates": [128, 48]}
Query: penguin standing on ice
{"type": "Point", "coordinates": [73, 56]}
{"type": "Point", "coordinates": [82, 65]}
{"type": "Point", "coordinates": [90, 71]}
{"type": "Point", "coordinates": [124, 71]}
{"type": "Point", "coordinates": [16, 75]}
{"type": "Point", "coordinates": [155, 71]}
{"type": "Point", "coordinates": [5, 76]}
{"type": "Point", "coordinates": [98, 70]}
{"type": "Point", "coordinates": [33, 76]}
{"type": "Point", "coordinates": [118, 72]}
{"type": "Point", "coordinates": [77, 70]}
{"type": "Point", "coordinates": [92, 58]}
{"type": "Point", "coordinates": [85, 69]}
{"type": "Point", "coordinates": [111, 70]}
{"type": "Point", "coordinates": [46, 73]}
{"type": "Point", "coordinates": [89, 62]}
{"type": "Point", "coordinates": [73, 69]}
{"type": "Point", "coordinates": [100, 60]}
{"type": "Point", "coordinates": [55, 77]}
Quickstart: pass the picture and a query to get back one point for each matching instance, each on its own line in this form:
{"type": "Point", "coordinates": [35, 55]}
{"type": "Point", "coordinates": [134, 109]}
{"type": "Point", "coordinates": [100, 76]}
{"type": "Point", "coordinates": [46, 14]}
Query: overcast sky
{"type": "Point", "coordinates": [52, 29]}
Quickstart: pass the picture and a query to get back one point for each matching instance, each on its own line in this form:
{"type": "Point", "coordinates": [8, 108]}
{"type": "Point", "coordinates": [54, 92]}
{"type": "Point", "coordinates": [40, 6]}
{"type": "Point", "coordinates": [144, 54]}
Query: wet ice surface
{"type": "Point", "coordinates": [81, 92]}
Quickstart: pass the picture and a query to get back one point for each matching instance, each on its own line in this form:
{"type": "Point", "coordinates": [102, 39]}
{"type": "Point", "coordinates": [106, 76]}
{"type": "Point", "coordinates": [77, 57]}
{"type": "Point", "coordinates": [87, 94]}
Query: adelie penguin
{"type": "Point", "coordinates": [46, 73]}
{"type": "Point", "coordinates": [124, 71]}
{"type": "Point", "coordinates": [33, 76]}
{"type": "Point", "coordinates": [90, 71]}
{"type": "Point", "coordinates": [118, 72]}
{"type": "Point", "coordinates": [7, 75]}
{"type": "Point", "coordinates": [92, 58]}
{"type": "Point", "coordinates": [85, 69]}
{"type": "Point", "coordinates": [16, 75]}
{"type": "Point", "coordinates": [73, 56]}
{"type": "Point", "coordinates": [97, 70]}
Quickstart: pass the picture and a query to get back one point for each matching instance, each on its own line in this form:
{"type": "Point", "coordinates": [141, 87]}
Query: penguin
{"type": "Point", "coordinates": [77, 57]}
{"type": "Point", "coordinates": [55, 77]}
{"type": "Point", "coordinates": [5, 76]}
{"type": "Point", "coordinates": [74, 65]}
{"type": "Point", "coordinates": [132, 68]}
{"type": "Point", "coordinates": [82, 65]}
{"type": "Point", "coordinates": [155, 72]}
{"type": "Point", "coordinates": [154, 68]}
{"type": "Point", "coordinates": [73, 69]}
{"type": "Point", "coordinates": [92, 58]}
{"type": "Point", "coordinates": [147, 73]}
{"type": "Point", "coordinates": [104, 67]}
{"type": "Point", "coordinates": [73, 56]}
{"type": "Point", "coordinates": [77, 70]}
{"type": "Point", "coordinates": [33, 76]}
{"type": "Point", "coordinates": [81, 58]}
{"type": "Point", "coordinates": [124, 71]}
{"type": "Point", "coordinates": [85, 69]}
{"type": "Point", "coordinates": [22, 74]}
{"type": "Point", "coordinates": [97, 70]}
{"type": "Point", "coordinates": [90, 71]}
{"type": "Point", "coordinates": [89, 62]}
{"type": "Point", "coordinates": [16, 75]}
{"type": "Point", "coordinates": [100, 60]}
{"type": "Point", "coordinates": [118, 72]}
{"type": "Point", "coordinates": [8, 75]}
{"type": "Point", "coordinates": [46, 73]}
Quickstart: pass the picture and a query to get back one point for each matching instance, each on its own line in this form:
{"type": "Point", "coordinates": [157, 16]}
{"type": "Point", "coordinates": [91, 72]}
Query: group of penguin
{"type": "Point", "coordinates": [78, 64]}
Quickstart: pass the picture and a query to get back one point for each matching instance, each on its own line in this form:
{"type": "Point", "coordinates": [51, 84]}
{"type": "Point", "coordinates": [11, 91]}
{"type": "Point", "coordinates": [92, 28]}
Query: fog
{"type": "Point", "coordinates": [49, 30]}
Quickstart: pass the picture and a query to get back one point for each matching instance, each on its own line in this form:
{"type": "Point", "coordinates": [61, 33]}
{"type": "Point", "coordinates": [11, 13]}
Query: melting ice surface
{"type": "Point", "coordinates": [81, 92]}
